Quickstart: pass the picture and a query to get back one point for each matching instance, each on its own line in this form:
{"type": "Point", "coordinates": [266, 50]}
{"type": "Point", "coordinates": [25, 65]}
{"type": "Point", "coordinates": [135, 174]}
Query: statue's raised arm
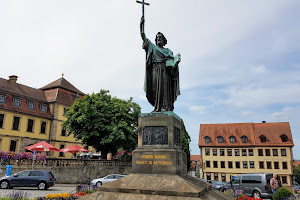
{"type": "Point", "coordinates": [142, 28]}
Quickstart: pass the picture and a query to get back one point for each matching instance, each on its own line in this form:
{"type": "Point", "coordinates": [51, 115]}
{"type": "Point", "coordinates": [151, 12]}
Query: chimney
{"type": "Point", "coordinates": [13, 78]}
{"type": "Point", "coordinates": [263, 122]}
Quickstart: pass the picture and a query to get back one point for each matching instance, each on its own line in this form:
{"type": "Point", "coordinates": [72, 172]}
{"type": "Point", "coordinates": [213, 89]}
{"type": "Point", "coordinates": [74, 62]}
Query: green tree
{"type": "Point", "coordinates": [296, 170]}
{"type": "Point", "coordinates": [107, 123]}
{"type": "Point", "coordinates": [186, 139]}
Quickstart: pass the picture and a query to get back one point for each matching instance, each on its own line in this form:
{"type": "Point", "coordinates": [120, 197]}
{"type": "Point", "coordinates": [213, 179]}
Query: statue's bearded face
{"type": "Point", "coordinates": [160, 40]}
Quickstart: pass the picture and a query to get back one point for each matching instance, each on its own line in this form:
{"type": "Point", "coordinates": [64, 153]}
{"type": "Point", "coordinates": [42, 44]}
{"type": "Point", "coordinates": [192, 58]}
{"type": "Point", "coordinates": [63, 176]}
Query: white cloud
{"type": "Point", "coordinates": [247, 113]}
{"type": "Point", "coordinates": [259, 69]}
{"type": "Point", "coordinates": [260, 96]}
{"type": "Point", "coordinates": [286, 114]}
{"type": "Point", "coordinates": [198, 109]}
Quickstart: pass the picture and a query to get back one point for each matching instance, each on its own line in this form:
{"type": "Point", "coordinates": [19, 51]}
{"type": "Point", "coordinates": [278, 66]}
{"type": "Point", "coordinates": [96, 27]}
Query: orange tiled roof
{"type": "Point", "coordinates": [252, 131]}
{"type": "Point", "coordinates": [296, 162]}
{"type": "Point", "coordinates": [195, 157]}
{"type": "Point", "coordinates": [226, 130]}
{"type": "Point", "coordinates": [273, 131]}
{"type": "Point", "coordinates": [62, 83]}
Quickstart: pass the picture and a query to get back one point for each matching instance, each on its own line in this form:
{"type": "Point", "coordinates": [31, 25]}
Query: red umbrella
{"type": "Point", "coordinates": [73, 149]}
{"type": "Point", "coordinates": [41, 146]}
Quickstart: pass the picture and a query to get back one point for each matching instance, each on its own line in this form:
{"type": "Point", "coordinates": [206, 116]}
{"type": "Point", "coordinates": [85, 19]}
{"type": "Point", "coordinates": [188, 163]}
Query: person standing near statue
{"type": "Point", "coordinates": [162, 73]}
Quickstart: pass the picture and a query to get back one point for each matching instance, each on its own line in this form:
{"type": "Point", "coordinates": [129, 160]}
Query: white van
{"type": "Point", "coordinates": [86, 156]}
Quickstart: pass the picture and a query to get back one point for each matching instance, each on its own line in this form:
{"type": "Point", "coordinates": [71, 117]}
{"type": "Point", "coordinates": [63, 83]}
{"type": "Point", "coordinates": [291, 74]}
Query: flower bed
{"type": "Point", "coordinates": [83, 191]}
{"type": "Point", "coordinates": [16, 195]}
{"type": "Point", "coordinates": [10, 155]}
{"type": "Point", "coordinates": [239, 195]}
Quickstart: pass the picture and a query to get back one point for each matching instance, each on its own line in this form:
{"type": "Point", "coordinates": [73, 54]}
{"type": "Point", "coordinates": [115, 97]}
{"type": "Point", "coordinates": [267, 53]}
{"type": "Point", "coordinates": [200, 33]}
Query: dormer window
{"type": "Point", "coordinates": [2, 98]}
{"type": "Point", "coordinates": [284, 138]}
{"type": "Point", "coordinates": [244, 139]}
{"type": "Point", "coordinates": [74, 96]}
{"type": "Point", "coordinates": [263, 138]}
{"type": "Point", "coordinates": [31, 105]}
{"type": "Point", "coordinates": [17, 102]}
{"type": "Point", "coordinates": [232, 139]}
{"type": "Point", "coordinates": [43, 108]}
{"type": "Point", "coordinates": [220, 139]}
{"type": "Point", "coordinates": [207, 139]}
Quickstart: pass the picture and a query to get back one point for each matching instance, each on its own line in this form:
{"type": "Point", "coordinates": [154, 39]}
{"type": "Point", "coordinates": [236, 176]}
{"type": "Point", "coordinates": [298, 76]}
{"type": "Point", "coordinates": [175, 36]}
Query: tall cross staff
{"type": "Point", "coordinates": [143, 3]}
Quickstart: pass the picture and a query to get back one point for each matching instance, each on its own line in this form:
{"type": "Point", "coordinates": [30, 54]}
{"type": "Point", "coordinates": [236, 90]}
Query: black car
{"type": "Point", "coordinates": [29, 178]}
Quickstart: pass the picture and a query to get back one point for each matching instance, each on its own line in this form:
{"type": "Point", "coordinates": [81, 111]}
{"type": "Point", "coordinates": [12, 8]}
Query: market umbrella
{"type": "Point", "coordinates": [41, 146]}
{"type": "Point", "coordinates": [73, 149]}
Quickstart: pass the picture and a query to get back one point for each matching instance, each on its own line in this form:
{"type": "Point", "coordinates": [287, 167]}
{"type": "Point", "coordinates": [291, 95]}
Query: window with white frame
{"type": "Point", "coordinates": [17, 101]}
{"type": "Point", "coordinates": [232, 139]}
{"type": "Point", "coordinates": [220, 139]}
{"type": "Point", "coordinates": [244, 139]}
{"type": "Point", "coordinates": [31, 105]}
{"type": "Point", "coordinates": [43, 108]}
{"type": "Point", "coordinates": [207, 139]}
{"type": "Point", "coordinates": [2, 98]}
{"type": "Point", "coordinates": [207, 152]}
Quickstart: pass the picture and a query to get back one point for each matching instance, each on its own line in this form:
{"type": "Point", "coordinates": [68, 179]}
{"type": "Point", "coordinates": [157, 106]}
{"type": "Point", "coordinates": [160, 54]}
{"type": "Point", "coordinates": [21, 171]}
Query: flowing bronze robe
{"type": "Point", "coordinates": [161, 82]}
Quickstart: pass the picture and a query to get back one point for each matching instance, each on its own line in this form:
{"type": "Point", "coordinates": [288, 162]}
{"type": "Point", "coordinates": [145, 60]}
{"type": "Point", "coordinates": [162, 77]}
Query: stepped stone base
{"type": "Point", "coordinates": [157, 187]}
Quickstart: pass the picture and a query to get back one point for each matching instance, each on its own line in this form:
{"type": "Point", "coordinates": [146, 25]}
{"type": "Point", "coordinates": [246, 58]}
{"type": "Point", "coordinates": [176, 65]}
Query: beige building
{"type": "Point", "coordinates": [29, 115]}
{"type": "Point", "coordinates": [232, 149]}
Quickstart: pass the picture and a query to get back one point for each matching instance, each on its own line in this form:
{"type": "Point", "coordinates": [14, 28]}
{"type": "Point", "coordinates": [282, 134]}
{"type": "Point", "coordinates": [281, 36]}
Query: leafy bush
{"type": "Point", "coordinates": [283, 194]}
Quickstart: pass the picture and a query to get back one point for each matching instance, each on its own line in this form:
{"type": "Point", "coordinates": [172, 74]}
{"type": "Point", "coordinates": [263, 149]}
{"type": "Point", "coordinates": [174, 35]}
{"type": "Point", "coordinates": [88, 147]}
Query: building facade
{"type": "Point", "coordinates": [231, 149]}
{"type": "Point", "coordinates": [29, 115]}
{"type": "Point", "coordinates": [196, 166]}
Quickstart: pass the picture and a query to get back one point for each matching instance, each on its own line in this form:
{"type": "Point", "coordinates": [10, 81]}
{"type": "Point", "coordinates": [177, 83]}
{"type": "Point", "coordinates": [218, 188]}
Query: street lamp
{"type": "Point", "coordinates": [89, 181]}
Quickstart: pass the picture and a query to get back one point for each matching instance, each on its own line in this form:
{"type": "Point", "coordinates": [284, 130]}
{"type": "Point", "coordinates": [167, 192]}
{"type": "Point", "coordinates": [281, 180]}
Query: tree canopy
{"type": "Point", "coordinates": [296, 170]}
{"type": "Point", "coordinates": [186, 139]}
{"type": "Point", "coordinates": [107, 123]}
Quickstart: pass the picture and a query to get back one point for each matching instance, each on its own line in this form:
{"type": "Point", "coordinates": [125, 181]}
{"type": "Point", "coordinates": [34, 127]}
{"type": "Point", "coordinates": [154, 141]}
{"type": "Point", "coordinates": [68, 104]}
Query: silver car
{"type": "Point", "coordinates": [106, 179]}
{"type": "Point", "coordinates": [255, 185]}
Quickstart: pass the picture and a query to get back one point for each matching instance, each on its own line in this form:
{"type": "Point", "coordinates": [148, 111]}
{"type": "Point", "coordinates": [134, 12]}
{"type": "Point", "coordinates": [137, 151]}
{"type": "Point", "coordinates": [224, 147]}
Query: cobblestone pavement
{"type": "Point", "coordinates": [34, 192]}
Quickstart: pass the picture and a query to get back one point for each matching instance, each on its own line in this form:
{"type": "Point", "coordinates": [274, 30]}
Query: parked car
{"type": "Point", "coordinates": [106, 179]}
{"type": "Point", "coordinates": [86, 156]}
{"type": "Point", "coordinates": [255, 184]}
{"type": "Point", "coordinates": [296, 187]}
{"type": "Point", "coordinates": [218, 185]}
{"type": "Point", "coordinates": [29, 178]}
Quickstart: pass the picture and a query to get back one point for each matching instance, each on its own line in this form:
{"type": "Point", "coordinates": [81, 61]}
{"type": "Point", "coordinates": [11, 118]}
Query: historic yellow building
{"type": "Point", "coordinates": [29, 116]}
{"type": "Point", "coordinates": [232, 149]}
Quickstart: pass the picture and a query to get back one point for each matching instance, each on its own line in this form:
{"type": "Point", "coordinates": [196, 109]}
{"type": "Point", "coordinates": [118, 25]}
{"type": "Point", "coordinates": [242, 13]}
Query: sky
{"type": "Point", "coordinates": [239, 59]}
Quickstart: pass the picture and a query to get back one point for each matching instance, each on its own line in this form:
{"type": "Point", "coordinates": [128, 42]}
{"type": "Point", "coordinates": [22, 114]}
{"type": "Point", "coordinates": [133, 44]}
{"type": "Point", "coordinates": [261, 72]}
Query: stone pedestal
{"type": "Point", "coordinates": [159, 145]}
{"type": "Point", "coordinates": [158, 166]}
